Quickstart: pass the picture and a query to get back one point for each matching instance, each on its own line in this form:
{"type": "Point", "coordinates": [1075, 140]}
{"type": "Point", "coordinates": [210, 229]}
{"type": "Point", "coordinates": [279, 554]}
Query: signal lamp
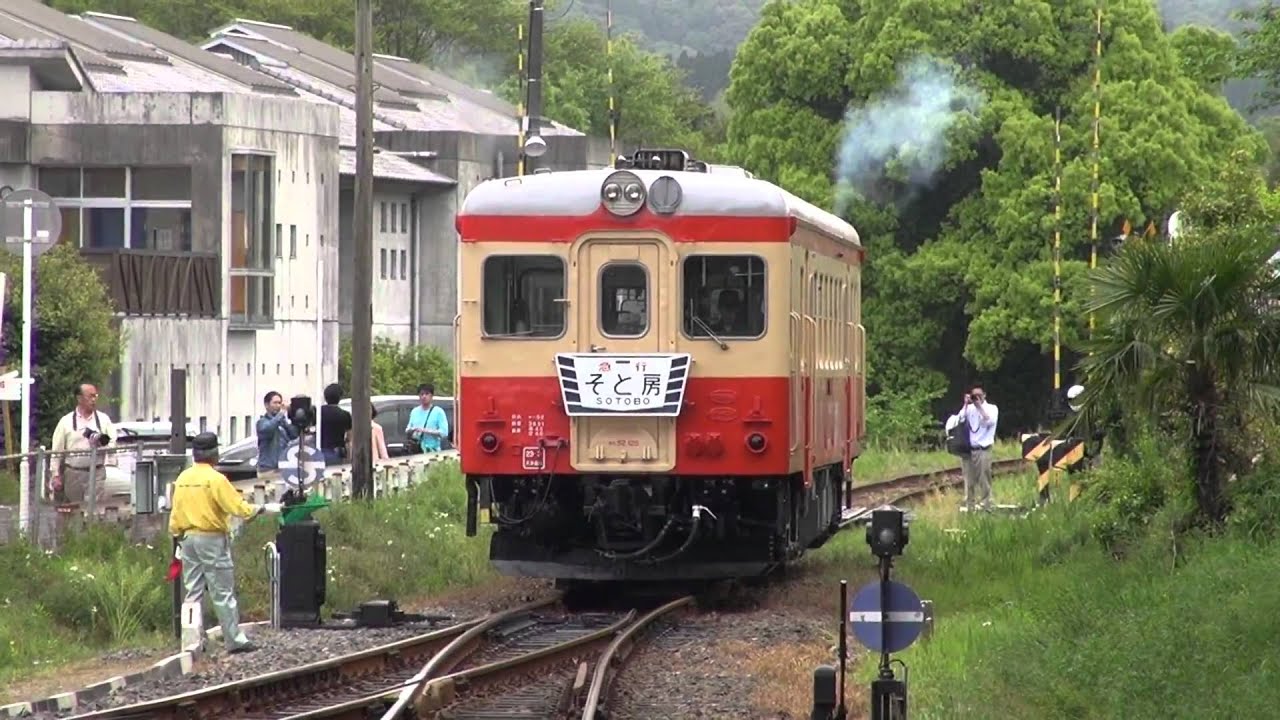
{"type": "Point", "coordinates": [756, 443]}
{"type": "Point", "coordinates": [888, 533]}
{"type": "Point", "coordinates": [488, 442]}
{"type": "Point", "coordinates": [623, 193]}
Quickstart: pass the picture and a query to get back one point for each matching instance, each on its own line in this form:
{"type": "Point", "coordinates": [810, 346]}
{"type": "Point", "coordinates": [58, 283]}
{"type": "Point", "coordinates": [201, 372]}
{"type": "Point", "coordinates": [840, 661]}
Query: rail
{"type": "Point", "coordinates": [358, 680]}
{"type": "Point", "coordinates": [608, 666]}
{"type": "Point", "coordinates": [867, 498]}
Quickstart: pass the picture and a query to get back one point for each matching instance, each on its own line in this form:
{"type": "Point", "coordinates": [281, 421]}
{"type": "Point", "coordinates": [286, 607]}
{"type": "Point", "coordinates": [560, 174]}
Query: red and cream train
{"type": "Point", "coordinates": [661, 370]}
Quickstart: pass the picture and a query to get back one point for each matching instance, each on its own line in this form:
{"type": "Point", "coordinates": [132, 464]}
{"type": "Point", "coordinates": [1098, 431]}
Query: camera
{"type": "Point", "coordinates": [96, 438]}
{"type": "Point", "coordinates": [301, 412]}
{"type": "Point", "coordinates": [887, 534]}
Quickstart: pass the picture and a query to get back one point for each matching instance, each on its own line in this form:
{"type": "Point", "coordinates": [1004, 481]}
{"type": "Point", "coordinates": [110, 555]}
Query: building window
{"type": "Point", "coordinates": [404, 217]}
{"type": "Point", "coordinates": [382, 212]}
{"type": "Point", "coordinates": [522, 296]}
{"type": "Point", "coordinates": [724, 296]}
{"type": "Point", "coordinates": [279, 240]}
{"type": "Point", "coordinates": [234, 420]}
{"type": "Point", "coordinates": [393, 264]}
{"type": "Point", "coordinates": [252, 218]}
{"type": "Point", "coordinates": [404, 265]}
{"type": "Point", "coordinates": [293, 242]}
{"type": "Point", "coordinates": [393, 218]}
{"type": "Point", "coordinates": [138, 208]}
{"type": "Point", "coordinates": [383, 253]}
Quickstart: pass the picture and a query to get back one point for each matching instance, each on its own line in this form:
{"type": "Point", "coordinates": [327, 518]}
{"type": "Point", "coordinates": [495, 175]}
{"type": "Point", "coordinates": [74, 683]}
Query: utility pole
{"type": "Point", "coordinates": [534, 146]}
{"type": "Point", "coordinates": [362, 315]}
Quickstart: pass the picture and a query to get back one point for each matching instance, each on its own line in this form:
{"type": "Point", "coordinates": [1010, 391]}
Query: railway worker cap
{"type": "Point", "coordinates": [204, 447]}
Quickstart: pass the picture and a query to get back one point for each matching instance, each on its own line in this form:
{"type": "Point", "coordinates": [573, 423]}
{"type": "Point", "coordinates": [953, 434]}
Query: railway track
{"type": "Point", "coordinates": [532, 661]}
{"type": "Point", "coordinates": [908, 487]}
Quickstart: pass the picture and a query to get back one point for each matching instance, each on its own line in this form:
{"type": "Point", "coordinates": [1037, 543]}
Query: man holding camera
{"type": "Point", "coordinates": [74, 438]}
{"type": "Point", "coordinates": [980, 416]}
{"type": "Point", "coordinates": [275, 432]}
{"type": "Point", "coordinates": [204, 501]}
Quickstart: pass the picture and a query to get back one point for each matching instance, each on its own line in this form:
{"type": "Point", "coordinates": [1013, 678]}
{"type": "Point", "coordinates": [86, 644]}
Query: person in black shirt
{"type": "Point", "coordinates": [335, 423]}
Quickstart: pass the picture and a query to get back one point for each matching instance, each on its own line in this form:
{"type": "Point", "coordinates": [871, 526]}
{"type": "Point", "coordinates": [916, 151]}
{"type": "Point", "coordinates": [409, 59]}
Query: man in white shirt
{"type": "Point", "coordinates": [76, 433]}
{"type": "Point", "coordinates": [981, 418]}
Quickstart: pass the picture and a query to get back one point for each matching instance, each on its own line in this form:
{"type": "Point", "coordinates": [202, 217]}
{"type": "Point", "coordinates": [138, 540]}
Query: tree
{"type": "Point", "coordinates": [1191, 329]}
{"type": "Point", "coordinates": [399, 370]}
{"type": "Point", "coordinates": [938, 117]}
{"type": "Point", "coordinates": [75, 337]}
{"type": "Point", "coordinates": [1259, 54]}
{"type": "Point", "coordinates": [654, 104]}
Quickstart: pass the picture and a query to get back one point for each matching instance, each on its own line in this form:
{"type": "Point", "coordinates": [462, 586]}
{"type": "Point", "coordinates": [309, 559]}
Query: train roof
{"type": "Point", "coordinates": [723, 190]}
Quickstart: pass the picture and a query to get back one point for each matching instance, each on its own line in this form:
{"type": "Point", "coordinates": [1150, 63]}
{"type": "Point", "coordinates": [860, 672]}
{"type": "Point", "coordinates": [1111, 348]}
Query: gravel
{"type": "Point", "coordinates": [709, 666]}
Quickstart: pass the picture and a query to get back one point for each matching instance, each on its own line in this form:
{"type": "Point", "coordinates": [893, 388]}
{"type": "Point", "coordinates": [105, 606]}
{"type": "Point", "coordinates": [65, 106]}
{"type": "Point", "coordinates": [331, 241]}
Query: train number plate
{"type": "Point", "coordinates": [535, 458]}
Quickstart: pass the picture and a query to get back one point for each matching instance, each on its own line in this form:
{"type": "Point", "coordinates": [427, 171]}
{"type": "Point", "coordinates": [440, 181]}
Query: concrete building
{"type": "Point", "coordinates": [458, 132]}
{"type": "Point", "coordinates": [177, 175]}
{"type": "Point", "coordinates": [213, 190]}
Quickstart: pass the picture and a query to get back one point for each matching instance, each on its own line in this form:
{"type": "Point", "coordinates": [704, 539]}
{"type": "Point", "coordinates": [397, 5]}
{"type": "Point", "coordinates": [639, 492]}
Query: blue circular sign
{"type": "Point", "coordinates": [886, 631]}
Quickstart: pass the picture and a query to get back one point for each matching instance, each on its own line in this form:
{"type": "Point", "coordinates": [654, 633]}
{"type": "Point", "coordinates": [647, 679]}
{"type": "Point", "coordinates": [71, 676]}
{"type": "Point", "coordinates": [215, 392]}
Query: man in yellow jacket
{"type": "Point", "coordinates": [203, 502]}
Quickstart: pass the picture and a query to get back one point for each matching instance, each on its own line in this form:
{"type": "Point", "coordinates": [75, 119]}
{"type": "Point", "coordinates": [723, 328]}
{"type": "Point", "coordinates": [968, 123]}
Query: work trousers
{"type": "Point", "coordinates": [977, 478]}
{"type": "Point", "coordinates": [206, 565]}
{"type": "Point", "coordinates": [75, 485]}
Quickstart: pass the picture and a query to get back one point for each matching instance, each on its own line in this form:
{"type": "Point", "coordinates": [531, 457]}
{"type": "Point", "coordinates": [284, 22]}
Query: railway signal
{"type": "Point", "coordinates": [887, 617]}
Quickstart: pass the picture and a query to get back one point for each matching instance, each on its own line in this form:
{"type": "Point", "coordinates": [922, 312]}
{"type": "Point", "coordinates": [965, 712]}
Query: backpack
{"type": "Point", "coordinates": [958, 438]}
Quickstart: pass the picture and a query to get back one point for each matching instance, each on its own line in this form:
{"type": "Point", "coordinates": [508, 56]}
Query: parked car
{"type": "Point", "coordinates": [239, 460]}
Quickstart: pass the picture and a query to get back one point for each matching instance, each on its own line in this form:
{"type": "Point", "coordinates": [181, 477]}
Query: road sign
{"type": "Point", "coordinates": [30, 215]}
{"type": "Point", "coordinates": [10, 387]}
{"type": "Point", "coordinates": [905, 617]}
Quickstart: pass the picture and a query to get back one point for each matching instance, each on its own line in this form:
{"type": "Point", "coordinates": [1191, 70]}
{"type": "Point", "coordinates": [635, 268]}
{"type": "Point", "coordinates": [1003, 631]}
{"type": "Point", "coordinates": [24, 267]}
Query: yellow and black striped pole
{"type": "Point", "coordinates": [523, 120]}
{"type": "Point", "coordinates": [613, 107]}
{"type": "Point", "coordinates": [1097, 129]}
{"type": "Point", "coordinates": [1057, 252]}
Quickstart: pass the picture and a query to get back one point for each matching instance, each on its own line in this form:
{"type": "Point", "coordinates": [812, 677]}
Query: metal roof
{"type": "Point", "coordinates": [330, 74]}
{"type": "Point", "coordinates": [577, 193]}
{"type": "Point", "coordinates": [391, 167]}
{"type": "Point", "coordinates": [173, 46]}
{"type": "Point", "coordinates": [14, 30]}
{"type": "Point", "coordinates": [338, 58]}
{"type": "Point", "coordinates": [78, 31]}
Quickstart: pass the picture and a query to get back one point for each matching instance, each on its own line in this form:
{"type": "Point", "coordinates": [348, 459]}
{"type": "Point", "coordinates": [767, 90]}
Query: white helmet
{"type": "Point", "coordinates": [1074, 392]}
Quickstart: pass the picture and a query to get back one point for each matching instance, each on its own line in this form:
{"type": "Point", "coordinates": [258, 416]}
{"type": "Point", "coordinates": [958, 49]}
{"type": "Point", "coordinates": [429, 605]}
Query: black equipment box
{"type": "Point", "coordinates": [302, 573]}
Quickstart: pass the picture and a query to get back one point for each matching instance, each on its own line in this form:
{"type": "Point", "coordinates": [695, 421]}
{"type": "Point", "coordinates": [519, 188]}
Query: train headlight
{"type": "Point", "coordinates": [756, 443]}
{"type": "Point", "coordinates": [623, 193]}
{"type": "Point", "coordinates": [488, 442]}
{"type": "Point", "coordinates": [664, 195]}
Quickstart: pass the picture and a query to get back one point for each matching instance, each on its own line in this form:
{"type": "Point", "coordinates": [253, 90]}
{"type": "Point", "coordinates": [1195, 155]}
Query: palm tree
{"type": "Point", "coordinates": [1190, 331]}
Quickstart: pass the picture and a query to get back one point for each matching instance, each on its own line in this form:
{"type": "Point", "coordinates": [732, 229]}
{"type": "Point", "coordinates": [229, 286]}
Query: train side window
{"type": "Point", "coordinates": [523, 296]}
{"type": "Point", "coordinates": [624, 300]}
{"type": "Point", "coordinates": [725, 296]}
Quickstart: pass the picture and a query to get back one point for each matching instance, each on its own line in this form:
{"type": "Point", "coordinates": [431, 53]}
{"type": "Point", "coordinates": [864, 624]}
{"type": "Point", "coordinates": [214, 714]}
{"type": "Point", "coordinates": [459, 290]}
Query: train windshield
{"type": "Point", "coordinates": [724, 296]}
{"type": "Point", "coordinates": [523, 296]}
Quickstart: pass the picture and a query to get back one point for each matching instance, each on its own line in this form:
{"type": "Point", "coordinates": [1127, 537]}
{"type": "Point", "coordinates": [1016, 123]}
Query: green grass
{"type": "Point", "coordinates": [100, 592]}
{"type": "Point", "coordinates": [885, 463]}
{"type": "Point", "coordinates": [1035, 619]}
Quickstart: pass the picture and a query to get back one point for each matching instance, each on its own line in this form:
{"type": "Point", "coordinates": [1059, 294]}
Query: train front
{"type": "Point", "coordinates": [623, 368]}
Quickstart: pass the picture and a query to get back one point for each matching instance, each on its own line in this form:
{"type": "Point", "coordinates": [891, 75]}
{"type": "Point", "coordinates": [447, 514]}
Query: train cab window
{"type": "Point", "coordinates": [523, 296]}
{"type": "Point", "coordinates": [624, 300]}
{"type": "Point", "coordinates": [724, 296]}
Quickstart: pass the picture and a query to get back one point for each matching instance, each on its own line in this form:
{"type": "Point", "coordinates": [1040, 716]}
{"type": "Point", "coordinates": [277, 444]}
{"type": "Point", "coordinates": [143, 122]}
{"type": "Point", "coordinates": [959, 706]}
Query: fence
{"type": "Point", "coordinates": [116, 489]}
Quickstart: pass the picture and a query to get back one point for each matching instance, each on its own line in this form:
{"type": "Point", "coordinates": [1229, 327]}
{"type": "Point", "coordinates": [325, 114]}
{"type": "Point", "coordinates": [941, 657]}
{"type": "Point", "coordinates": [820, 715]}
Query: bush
{"type": "Point", "coordinates": [75, 336]}
{"type": "Point", "coordinates": [1127, 492]}
{"type": "Point", "coordinates": [399, 370]}
{"type": "Point", "coordinates": [900, 419]}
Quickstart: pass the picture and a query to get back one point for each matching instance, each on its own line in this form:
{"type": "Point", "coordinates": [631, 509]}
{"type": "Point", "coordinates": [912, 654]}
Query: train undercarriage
{"type": "Point", "coordinates": [653, 527]}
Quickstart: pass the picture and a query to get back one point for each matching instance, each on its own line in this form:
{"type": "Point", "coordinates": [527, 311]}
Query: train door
{"type": "Point", "coordinates": [623, 311]}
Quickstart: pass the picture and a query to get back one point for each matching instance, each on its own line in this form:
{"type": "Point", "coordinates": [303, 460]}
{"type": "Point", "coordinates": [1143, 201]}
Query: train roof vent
{"type": "Point", "coordinates": [659, 159]}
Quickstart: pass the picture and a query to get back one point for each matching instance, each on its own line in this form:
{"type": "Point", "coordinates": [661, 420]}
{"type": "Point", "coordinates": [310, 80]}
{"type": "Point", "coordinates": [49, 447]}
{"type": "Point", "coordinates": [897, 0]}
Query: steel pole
{"type": "Point", "coordinates": [362, 317]}
{"type": "Point", "coordinates": [28, 272]}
